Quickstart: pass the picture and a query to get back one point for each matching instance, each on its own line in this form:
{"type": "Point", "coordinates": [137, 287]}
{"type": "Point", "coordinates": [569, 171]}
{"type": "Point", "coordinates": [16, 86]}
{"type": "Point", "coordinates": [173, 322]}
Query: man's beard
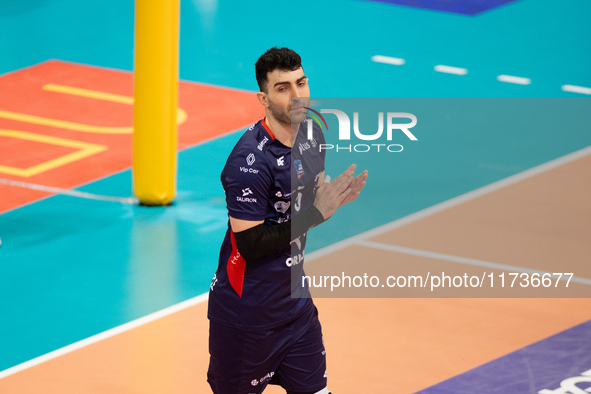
{"type": "Point", "coordinates": [283, 116]}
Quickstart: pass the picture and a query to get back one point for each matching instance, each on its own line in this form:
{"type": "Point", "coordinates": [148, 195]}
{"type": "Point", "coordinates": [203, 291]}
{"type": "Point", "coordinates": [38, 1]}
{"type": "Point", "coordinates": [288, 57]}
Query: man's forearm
{"type": "Point", "coordinates": [259, 241]}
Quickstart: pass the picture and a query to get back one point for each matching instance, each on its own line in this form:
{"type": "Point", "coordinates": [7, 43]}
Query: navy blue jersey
{"type": "Point", "coordinates": [262, 181]}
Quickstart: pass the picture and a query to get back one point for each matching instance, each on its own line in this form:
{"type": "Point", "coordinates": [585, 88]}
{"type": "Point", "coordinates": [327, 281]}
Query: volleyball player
{"type": "Point", "coordinates": [264, 327]}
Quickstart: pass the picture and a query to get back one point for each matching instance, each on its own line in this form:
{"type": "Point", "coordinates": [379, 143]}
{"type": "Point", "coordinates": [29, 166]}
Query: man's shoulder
{"type": "Point", "coordinates": [248, 155]}
{"type": "Point", "coordinates": [255, 139]}
{"type": "Point", "coordinates": [253, 144]}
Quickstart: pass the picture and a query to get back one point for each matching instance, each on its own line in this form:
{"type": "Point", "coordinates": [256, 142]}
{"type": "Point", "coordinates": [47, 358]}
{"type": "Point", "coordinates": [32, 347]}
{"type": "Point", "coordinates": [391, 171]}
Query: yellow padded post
{"type": "Point", "coordinates": [156, 101]}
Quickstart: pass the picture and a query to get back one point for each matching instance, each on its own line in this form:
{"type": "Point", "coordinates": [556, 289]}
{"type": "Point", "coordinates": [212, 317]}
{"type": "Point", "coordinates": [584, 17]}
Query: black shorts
{"type": "Point", "coordinates": [244, 362]}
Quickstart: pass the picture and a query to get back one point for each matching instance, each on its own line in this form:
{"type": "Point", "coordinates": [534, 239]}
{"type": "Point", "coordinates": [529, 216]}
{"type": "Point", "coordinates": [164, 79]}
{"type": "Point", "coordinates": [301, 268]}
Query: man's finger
{"type": "Point", "coordinates": [345, 174]}
{"type": "Point", "coordinates": [350, 170]}
{"type": "Point", "coordinates": [341, 182]}
{"type": "Point", "coordinates": [359, 180]}
{"type": "Point", "coordinates": [340, 185]}
{"type": "Point", "coordinates": [346, 194]}
{"type": "Point", "coordinates": [356, 186]}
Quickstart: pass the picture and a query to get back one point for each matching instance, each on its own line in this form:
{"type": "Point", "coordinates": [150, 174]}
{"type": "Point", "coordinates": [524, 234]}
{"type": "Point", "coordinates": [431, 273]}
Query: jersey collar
{"type": "Point", "coordinates": [267, 129]}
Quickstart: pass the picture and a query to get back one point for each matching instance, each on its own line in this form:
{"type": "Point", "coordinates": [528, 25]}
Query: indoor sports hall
{"type": "Point", "coordinates": [99, 294]}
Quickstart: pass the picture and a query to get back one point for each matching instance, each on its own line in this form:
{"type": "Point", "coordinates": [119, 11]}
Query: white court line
{"type": "Point", "coordinates": [450, 70]}
{"type": "Point", "coordinates": [513, 79]}
{"type": "Point", "coordinates": [105, 334]}
{"type": "Point", "coordinates": [72, 193]}
{"type": "Point", "coordinates": [388, 60]}
{"type": "Point", "coordinates": [461, 260]}
{"type": "Point", "coordinates": [450, 203]}
{"type": "Point", "coordinates": [463, 71]}
{"type": "Point", "coordinates": [311, 256]}
{"type": "Point", "coordinates": [576, 89]}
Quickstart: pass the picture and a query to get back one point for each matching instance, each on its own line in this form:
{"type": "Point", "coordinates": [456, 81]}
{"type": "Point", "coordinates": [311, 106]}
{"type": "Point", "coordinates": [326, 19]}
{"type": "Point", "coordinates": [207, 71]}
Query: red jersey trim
{"type": "Point", "coordinates": [267, 128]}
{"type": "Point", "coordinates": [235, 267]}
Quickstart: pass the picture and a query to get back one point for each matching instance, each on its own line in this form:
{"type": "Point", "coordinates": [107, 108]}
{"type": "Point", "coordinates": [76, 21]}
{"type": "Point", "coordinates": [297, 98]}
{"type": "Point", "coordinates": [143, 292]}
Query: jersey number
{"type": "Point", "coordinates": [298, 202]}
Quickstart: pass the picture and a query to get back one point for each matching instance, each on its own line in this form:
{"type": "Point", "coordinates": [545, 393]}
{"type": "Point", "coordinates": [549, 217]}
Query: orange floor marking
{"type": "Point", "coordinates": [73, 104]}
{"type": "Point", "coordinates": [43, 152]}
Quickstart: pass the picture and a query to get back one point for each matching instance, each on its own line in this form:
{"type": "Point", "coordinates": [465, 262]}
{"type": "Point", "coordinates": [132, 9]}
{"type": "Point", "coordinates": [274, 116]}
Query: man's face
{"type": "Point", "coordinates": [282, 87]}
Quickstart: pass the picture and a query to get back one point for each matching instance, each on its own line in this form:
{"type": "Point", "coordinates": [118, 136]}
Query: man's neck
{"type": "Point", "coordinates": [281, 131]}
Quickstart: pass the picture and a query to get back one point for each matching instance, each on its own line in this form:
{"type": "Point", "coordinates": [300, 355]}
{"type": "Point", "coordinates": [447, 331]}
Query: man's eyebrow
{"type": "Point", "coordinates": [288, 83]}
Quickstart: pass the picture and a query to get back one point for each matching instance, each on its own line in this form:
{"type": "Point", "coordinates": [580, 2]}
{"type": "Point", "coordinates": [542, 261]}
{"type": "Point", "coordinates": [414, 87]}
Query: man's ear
{"type": "Point", "coordinates": [262, 96]}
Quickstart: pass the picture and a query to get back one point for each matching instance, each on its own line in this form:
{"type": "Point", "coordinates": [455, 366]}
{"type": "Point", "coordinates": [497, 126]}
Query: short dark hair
{"type": "Point", "coordinates": [275, 59]}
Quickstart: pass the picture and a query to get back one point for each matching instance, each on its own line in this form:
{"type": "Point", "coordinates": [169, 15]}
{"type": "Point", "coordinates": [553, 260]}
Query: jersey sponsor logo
{"type": "Point", "coordinates": [262, 143]}
{"type": "Point", "coordinates": [268, 376]}
{"type": "Point", "coordinates": [235, 258]}
{"type": "Point", "coordinates": [213, 281]}
{"type": "Point", "coordinates": [307, 145]}
{"type": "Point", "coordinates": [246, 192]}
{"type": "Point", "coordinates": [246, 199]}
{"type": "Point", "coordinates": [235, 267]}
{"type": "Point", "coordinates": [299, 168]}
{"type": "Point", "coordinates": [249, 170]}
{"type": "Point", "coordinates": [282, 206]}
{"type": "Point", "coordinates": [295, 259]}
{"type": "Point", "coordinates": [250, 159]}
{"type": "Point", "coordinates": [281, 161]}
